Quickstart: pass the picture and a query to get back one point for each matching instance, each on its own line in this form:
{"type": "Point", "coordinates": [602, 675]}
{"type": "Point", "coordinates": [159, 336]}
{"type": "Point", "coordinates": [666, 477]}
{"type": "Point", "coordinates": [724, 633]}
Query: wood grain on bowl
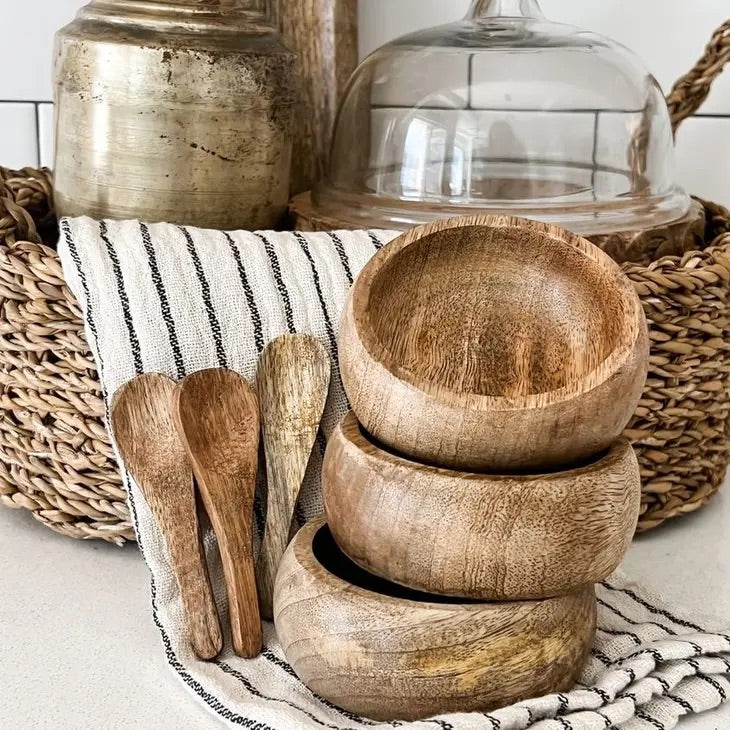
{"type": "Point", "coordinates": [493, 343]}
{"type": "Point", "coordinates": [479, 535]}
{"type": "Point", "coordinates": [387, 653]}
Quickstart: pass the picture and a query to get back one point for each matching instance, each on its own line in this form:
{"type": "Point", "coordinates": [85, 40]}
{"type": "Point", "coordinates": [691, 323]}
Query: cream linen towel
{"type": "Point", "coordinates": [161, 298]}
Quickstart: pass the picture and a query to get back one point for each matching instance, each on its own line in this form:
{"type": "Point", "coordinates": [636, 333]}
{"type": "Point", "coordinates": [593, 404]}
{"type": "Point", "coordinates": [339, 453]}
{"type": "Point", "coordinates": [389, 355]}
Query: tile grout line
{"type": "Point", "coordinates": [700, 115]}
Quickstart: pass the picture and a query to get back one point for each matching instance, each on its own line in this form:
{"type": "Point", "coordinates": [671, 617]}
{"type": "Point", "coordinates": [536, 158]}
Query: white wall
{"type": "Point", "coordinates": [668, 34]}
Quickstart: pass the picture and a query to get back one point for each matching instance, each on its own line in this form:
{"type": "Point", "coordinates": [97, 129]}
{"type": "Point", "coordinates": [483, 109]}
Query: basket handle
{"type": "Point", "coordinates": [690, 92]}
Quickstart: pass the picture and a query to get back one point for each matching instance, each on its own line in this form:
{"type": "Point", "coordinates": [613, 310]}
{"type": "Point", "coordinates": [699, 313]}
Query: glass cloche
{"type": "Point", "coordinates": [503, 112]}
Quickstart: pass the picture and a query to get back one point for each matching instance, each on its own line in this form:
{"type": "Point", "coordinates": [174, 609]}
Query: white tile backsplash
{"type": "Point", "coordinates": [703, 157]}
{"type": "Point", "coordinates": [668, 34]}
{"type": "Point", "coordinates": [45, 134]}
{"type": "Point", "coordinates": [18, 144]}
{"type": "Point", "coordinates": [26, 51]}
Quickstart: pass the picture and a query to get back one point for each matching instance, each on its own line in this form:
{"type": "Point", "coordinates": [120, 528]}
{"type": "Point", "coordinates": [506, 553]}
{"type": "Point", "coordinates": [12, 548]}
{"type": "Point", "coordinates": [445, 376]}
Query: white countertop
{"type": "Point", "coordinates": [78, 648]}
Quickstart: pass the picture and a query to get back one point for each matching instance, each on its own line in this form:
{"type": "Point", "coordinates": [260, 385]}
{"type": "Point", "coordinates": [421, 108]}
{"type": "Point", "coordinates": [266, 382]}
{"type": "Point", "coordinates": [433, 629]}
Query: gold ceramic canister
{"type": "Point", "coordinates": [177, 111]}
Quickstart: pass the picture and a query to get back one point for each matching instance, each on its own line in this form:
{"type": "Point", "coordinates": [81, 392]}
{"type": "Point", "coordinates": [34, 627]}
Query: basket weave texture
{"type": "Point", "coordinates": [55, 455]}
{"type": "Point", "coordinates": [56, 459]}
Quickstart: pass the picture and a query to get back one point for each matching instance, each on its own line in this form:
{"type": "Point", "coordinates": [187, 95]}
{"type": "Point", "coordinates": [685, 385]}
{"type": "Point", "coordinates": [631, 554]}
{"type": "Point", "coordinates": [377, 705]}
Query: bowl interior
{"type": "Point", "coordinates": [496, 311]}
{"type": "Point", "coordinates": [334, 561]}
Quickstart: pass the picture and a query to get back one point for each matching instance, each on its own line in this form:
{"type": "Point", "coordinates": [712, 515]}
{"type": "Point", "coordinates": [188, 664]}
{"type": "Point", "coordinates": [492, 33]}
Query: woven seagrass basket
{"type": "Point", "coordinates": [55, 455]}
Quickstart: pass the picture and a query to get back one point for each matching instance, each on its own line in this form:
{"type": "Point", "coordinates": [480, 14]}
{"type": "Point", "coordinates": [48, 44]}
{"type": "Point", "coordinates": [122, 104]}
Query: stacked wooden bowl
{"type": "Point", "coordinates": [480, 486]}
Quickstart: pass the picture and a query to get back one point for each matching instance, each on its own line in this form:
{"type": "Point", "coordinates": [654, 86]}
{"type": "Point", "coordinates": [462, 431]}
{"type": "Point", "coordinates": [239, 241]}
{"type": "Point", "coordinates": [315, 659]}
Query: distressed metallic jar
{"type": "Point", "coordinates": [177, 111]}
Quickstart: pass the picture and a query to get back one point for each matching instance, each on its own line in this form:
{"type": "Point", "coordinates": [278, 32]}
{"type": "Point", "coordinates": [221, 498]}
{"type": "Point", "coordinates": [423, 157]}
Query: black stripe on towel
{"type": "Point", "coordinates": [377, 243]}
{"type": "Point", "coordinates": [286, 667]}
{"type": "Point", "coordinates": [605, 697]}
{"type": "Point", "coordinates": [651, 720]}
{"type": "Point", "coordinates": [281, 663]}
{"type": "Point", "coordinates": [258, 332]}
{"type": "Point", "coordinates": [90, 318]}
{"type": "Point", "coordinates": [618, 613]}
{"type": "Point", "coordinates": [340, 248]}
{"type": "Point", "coordinates": [215, 325]}
{"type": "Point", "coordinates": [279, 280]}
{"type": "Point", "coordinates": [320, 295]}
{"type": "Point", "coordinates": [246, 682]}
{"type": "Point", "coordinates": [615, 632]}
{"type": "Point", "coordinates": [605, 660]}
{"type": "Point", "coordinates": [164, 301]}
{"type": "Point", "coordinates": [327, 319]}
{"type": "Point", "coordinates": [662, 683]}
{"type": "Point", "coordinates": [682, 703]}
{"type": "Point", "coordinates": [258, 336]}
{"type": "Point", "coordinates": [273, 659]}
{"type": "Point", "coordinates": [123, 298]}
{"type": "Point", "coordinates": [655, 610]}
{"type": "Point", "coordinates": [712, 682]}
{"type": "Point", "coordinates": [655, 654]}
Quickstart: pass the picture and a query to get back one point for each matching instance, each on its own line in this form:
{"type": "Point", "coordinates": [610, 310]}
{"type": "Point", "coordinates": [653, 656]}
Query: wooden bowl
{"type": "Point", "coordinates": [388, 653]}
{"type": "Point", "coordinates": [477, 535]}
{"type": "Point", "coordinates": [493, 343]}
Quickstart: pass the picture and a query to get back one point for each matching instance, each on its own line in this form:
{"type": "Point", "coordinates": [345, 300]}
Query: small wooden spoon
{"type": "Point", "coordinates": [293, 380]}
{"type": "Point", "coordinates": [217, 416]}
{"type": "Point", "coordinates": [146, 437]}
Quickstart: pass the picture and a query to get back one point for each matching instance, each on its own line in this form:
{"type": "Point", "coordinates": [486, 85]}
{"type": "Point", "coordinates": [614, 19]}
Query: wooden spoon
{"type": "Point", "coordinates": [147, 440]}
{"type": "Point", "coordinates": [293, 380]}
{"type": "Point", "coordinates": [217, 416]}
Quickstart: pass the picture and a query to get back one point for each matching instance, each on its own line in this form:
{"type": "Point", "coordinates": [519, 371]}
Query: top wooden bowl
{"type": "Point", "coordinates": [493, 343]}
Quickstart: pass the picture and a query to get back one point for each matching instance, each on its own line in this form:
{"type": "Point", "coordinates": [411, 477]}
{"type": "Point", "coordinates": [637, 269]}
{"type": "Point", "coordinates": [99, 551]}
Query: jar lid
{"type": "Point", "coordinates": [504, 112]}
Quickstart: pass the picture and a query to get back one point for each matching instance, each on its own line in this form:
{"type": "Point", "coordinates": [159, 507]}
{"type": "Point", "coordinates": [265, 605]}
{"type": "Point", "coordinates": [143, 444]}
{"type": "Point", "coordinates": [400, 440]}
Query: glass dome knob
{"type": "Point", "coordinates": [505, 9]}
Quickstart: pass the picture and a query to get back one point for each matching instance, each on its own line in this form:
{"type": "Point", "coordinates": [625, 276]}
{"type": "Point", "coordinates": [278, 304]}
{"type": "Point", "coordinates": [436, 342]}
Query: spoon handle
{"type": "Point", "coordinates": [228, 515]}
{"type": "Point", "coordinates": [292, 380]}
{"type": "Point", "coordinates": [152, 452]}
{"type": "Point", "coordinates": [286, 463]}
{"type": "Point", "coordinates": [216, 413]}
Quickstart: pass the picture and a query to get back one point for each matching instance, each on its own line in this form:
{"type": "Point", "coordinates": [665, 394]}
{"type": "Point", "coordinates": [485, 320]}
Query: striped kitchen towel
{"type": "Point", "coordinates": [162, 298]}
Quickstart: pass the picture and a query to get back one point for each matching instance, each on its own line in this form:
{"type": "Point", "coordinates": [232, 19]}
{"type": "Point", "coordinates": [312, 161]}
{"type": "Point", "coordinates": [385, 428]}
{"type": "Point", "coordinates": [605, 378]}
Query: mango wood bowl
{"type": "Point", "coordinates": [388, 653]}
{"type": "Point", "coordinates": [493, 343]}
{"type": "Point", "coordinates": [477, 535]}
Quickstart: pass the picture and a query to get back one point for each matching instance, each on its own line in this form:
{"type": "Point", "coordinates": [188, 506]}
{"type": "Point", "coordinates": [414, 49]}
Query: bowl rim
{"type": "Point", "coordinates": [302, 546]}
{"type": "Point", "coordinates": [350, 430]}
{"type": "Point", "coordinates": [633, 327]}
